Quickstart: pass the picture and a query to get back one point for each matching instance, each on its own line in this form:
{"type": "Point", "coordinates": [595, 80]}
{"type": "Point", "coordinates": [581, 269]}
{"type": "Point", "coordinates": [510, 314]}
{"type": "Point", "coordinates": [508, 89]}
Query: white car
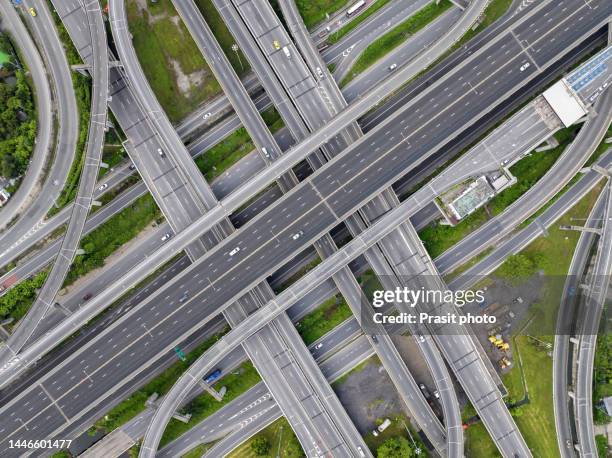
{"type": "Point", "coordinates": [234, 251]}
{"type": "Point", "coordinates": [103, 187]}
{"type": "Point", "coordinates": [436, 394]}
{"type": "Point", "coordinates": [319, 345]}
{"type": "Point", "coordinates": [160, 152]}
{"type": "Point", "coordinates": [320, 73]}
{"type": "Point", "coordinates": [166, 236]}
{"type": "Point", "coordinates": [392, 67]}
{"type": "Point", "coordinates": [524, 67]}
{"type": "Point", "coordinates": [297, 235]}
{"type": "Point", "coordinates": [206, 116]}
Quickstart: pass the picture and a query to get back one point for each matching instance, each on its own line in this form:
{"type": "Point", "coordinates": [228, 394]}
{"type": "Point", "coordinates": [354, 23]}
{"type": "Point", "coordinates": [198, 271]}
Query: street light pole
{"type": "Point", "coordinates": [235, 49]}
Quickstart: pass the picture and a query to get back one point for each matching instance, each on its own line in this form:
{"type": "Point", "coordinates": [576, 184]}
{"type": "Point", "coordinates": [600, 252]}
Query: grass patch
{"type": "Point", "coordinates": [602, 377]}
{"type": "Point", "coordinates": [224, 37]}
{"type": "Point", "coordinates": [166, 52]}
{"type": "Point", "coordinates": [198, 451]}
{"type": "Point", "coordinates": [535, 419]}
{"type": "Point", "coordinates": [353, 24]}
{"type": "Point", "coordinates": [315, 11]}
{"type": "Point", "coordinates": [603, 448]}
{"type": "Point", "coordinates": [107, 238]}
{"type": "Point", "coordinates": [82, 92]}
{"type": "Point", "coordinates": [16, 302]}
{"type": "Point", "coordinates": [358, 368]}
{"type": "Point", "coordinates": [369, 283]}
{"type": "Point", "coordinates": [223, 155]}
{"type": "Point", "coordinates": [132, 406]}
{"type": "Point", "coordinates": [395, 37]}
{"type": "Point", "coordinates": [277, 439]}
{"type": "Point", "coordinates": [438, 238]}
{"type": "Point", "coordinates": [234, 147]}
{"type": "Point", "coordinates": [204, 405]}
{"type": "Point", "coordinates": [326, 317]}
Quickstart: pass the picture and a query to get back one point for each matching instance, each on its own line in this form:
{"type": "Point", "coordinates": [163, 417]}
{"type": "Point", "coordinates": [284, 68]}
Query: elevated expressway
{"type": "Point", "coordinates": [66, 112]}
{"type": "Point", "coordinates": [24, 200]}
{"type": "Point", "coordinates": [314, 106]}
{"type": "Point", "coordinates": [563, 354]}
{"type": "Point", "coordinates": [181, 238]}
{"type": "Point", "coordinates": [330, 429]}
{"type": "Point", "coordinates": [97, 58]}
{"type": "Point", "coordinates": [596, 296]}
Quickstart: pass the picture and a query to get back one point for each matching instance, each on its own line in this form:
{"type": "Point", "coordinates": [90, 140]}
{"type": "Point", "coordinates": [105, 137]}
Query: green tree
{"type": "Point", "coordinates": [395, 447]}
{"type": "Point", "coordinates": [260, 446]}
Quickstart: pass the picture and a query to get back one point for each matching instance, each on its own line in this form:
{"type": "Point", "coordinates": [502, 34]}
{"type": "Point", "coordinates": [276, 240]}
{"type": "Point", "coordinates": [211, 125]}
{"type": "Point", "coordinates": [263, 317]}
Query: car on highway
{"type": "Point", "coordinates": [524, 67]}
{"type": "Point", "coordinates": [392, 67]}
{"type": "Point", "coordinates": [33, 12]}
{"type": "Point", "coordinates": [206, 116]}
{"type": "Point", "coordinates": [319, 345]}
{"type": "Point", "coordinates": [324, 32]}
{"type": "Point", "coordinates": [161, 152]}
{"type": "Point", "coordinates": [166, 236]}
{"type": "Point", "coordinates": [374, 338]}
{"type": "Point", "coordinates": [234, 251]}
{"type": "Point", "coordinates": [132, 166]}
{"type": "Point", "coordinates": [265, 152]}
{"type": "Point", "coordinates": [436, 394]}
{"type": "Point", "coordinates": [360, 450]}
{"type": "Point", "coordinates": [87, 296]}
{"type": "Point", "coordinates": [103, 187]}
{"type": "Point", "coordinates": [297, 235]}
{"type": "Point", "coordinates": [287, 52]}
{"type": "Point", "coordinates": [320, 73]}
{"type": "Point", "coordinates": [276, 44]}
{"type": "Point", "coordinates": [2, 288]}
{"type": "Point", "coordinates": [184, 297]}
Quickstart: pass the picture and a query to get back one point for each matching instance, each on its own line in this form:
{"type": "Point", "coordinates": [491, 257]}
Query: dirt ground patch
{"type": "Point", "coordinates": [367, 394]}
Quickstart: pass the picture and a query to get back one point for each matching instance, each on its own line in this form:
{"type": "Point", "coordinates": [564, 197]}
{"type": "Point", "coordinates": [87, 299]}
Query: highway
{"type": "Point", "coordinates": [318, 107]}
{"type": "Point", "coordinates": [562, 171]}
{"type": "Point", "coordinates": [260, 318]}
{"type": "Point", "coordinates": [203, 223]}
{"type": "Point", "coordinates": [378, 26]}
{"type": "Point", "coordinates": [596, 296]}
{"type": "Point", "coordinates": [403, 53]}
{"type": "Point", "coordinates": [27, 196]}
{"type": "Point", "coordinates": [282, 331]}
{"type": "Point", "coordinates": [197, 147]}
{"type": "Point", "coordinates": [95, 140]}
{"type": "Point", "coordinates": [563, 351]}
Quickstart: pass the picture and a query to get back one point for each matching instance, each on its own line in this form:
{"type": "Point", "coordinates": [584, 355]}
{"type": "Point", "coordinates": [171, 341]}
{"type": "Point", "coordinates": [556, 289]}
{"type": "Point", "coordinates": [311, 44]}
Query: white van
{"type": "Point", "coordinates": [287, 52]}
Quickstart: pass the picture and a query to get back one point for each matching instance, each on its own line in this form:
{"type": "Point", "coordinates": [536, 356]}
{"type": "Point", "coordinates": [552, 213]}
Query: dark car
{"type": "Point", "coordinates": [87, 296]}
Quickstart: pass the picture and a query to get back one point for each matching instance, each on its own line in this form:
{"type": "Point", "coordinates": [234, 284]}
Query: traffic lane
{"type": "Point", "coordinates": [158, 170]}
{"type": "Point", "coordinates": [373, 27]}
{"type": "Point", "coordinates": [76, 376]}
{"type": "Point", "coordinates": [224, 73]}
{"type": "Point", "coordinates": [287, 383]}
{"type": "Point", "coordinates": [233, 416]}
{"type": "Point", "coordinates": [402, 54]}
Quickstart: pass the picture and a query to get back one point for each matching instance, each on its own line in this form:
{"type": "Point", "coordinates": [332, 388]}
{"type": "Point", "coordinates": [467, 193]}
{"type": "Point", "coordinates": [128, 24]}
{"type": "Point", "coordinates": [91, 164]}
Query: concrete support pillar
{"type": "Point", "coordinates": [210, 390]}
